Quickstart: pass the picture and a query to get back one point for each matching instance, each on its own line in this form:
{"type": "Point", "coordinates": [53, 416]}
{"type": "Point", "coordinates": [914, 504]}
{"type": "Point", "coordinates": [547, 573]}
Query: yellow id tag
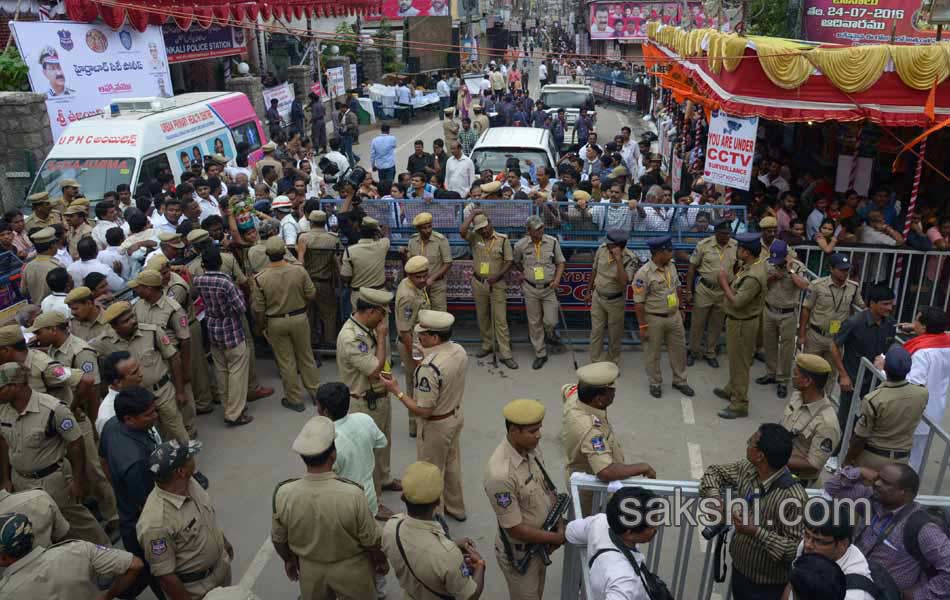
{"type": "Point", "coordinates": [539, 273]}
{"type": "Point", "coordinates": [483, 268]}
{"type": "Point", "coordinates": [672, 301]}
{"type": "Point", "coordinates": [387, 368]}
{"type": "Point", "coordinates": [834, 327]}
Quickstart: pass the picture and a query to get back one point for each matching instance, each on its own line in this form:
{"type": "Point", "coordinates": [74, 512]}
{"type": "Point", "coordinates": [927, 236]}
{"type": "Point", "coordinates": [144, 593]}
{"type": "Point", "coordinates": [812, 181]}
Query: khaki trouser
{"type": "Point", "coordinates": [876, 461]}
{"type": "Point", "coordinates": [220, 577]}
{"type": "Point", "coordinates": [609, 314]}
{"type": "Point", "coordinates": [200, 378]}
{"type": "Point", "coordinates": [438, 296]}
{"type": "Point", "coordinates": [230, 365]}
{"type": "Point", "coordinates": [189, 411]}
{"type": "Point", "coordinates": [708, 315]}
{"type": "Point", "coordinates": [289, 338]}
{"type": "Point", "coordinates": [325, 307]}
{"type": "Point", "coordinates": [170, 422]}
{"type": "Point", "coordinates": [816, 343]}
{"type": "Point", "coordinates": [529, 586]}
{"type": "Point", "coordinates": [778, 336]}
{"type": "Point", "coordinates": [349, 579]}
{"type": "Point", "coordinates": [439, 445]}
{"type": "Point", "coordinates": [252, 383]}
{"type": "Point", "coordinates": [405, 358]}
{"type": "Point", "coordinates": [541, 308]}
{"type": "Point", "coordinates": [82, 525]}
{"type": "Point", "coordinates": [491, 305]}
{"type": "Point", "coordinates": [383, 417]}
{"type": "Point", "coordinates": [98, 484]}
{"type": "Point", "coordinates": [667, 330]}
{"type": "Point", "coordinates": [740, 345]}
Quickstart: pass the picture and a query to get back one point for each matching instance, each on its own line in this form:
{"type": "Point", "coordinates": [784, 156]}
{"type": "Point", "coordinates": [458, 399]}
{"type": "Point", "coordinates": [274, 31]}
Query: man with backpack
{"type": "Point", "coordinates": [911, 542]}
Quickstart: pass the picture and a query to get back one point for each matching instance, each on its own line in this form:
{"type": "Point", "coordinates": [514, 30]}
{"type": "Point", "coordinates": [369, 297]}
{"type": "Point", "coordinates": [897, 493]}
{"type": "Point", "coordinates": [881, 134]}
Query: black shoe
{"type": "Point", "coordinates": [731, 413]}
{"type": "Point", "coordinates": [459, 519]}
{"type": "Point", "coordinates": [656, 391]}
{"type": "Point", "coordinates": [684, 389]}
{"type": "Point", "coordinates": [204, 411]}
{"type": "Point", "coordinates": [759, 357]}
{"type": "Point", "coordinates": [689, 359]}
{"type": "Point", "coordinates": [782, 390]}
{"type": "Point", "coordinates": [765, 380]}
{"type": "Point", "coordinates": [412, 435]}
{"type": "Point", "coordinates": [712, 362]}
{"type": "Point", "coordinates": [201, 479]}
{"type": "Point", "coordinates": [539, 362]}
{"type": "Point", "coordinates": [510, 363]}
{"type": "Point", "coordinates": [721, 393]}
{"type": "Point", "coordinates": [483, 353]}
{"type": "Point", "coordinates": [294, 407]}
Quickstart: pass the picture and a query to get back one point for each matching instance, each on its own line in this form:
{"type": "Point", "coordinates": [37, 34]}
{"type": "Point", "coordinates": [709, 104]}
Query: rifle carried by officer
{"type": "Point", "coordinates": [551, 523]}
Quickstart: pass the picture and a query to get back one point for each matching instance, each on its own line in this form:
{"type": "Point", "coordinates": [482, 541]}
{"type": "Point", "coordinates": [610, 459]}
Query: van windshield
{"type": "Point", "coordinates": [96, 176]}
{"type": "Point", "coordinates": [567, 99]}
{"type": "Point", "coordinates": [495, 158]}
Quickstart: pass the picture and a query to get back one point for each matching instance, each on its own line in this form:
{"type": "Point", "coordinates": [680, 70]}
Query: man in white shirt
{"type": "Point", "coordinates": [114, 253]}
{"type": "Point", "coordinates": [107, 216]}
{"type": "Point", "coordinates": [283, 211]}
{"type": "Point", "coordinates": [610, 541]}
{"type": "Point", "coordinates": [337, 158]}
{"type": "Point", "coordinates": [121, 371]}
{"type": "Point", "coordinates": [208, 203]}
{"type": "Point", "coordinates": [445, 95]}
{"type": "Point", "coordinates": [543, 73]}
{"type": "Point", "coordinates": [773, 177]}
{"type": "Point", "coordinates": [89, 263]}
{"type": "Point", "coordinates": [59, 284]}
{"type": "Point", "coordinates": [929, 367]}
{"type": "Point", "coordinates": [459, 171]}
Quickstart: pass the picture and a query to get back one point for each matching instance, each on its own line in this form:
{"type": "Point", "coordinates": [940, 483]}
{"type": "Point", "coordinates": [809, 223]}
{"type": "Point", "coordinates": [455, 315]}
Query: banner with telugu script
{"type": "Point", "coordinates": [81, 68]}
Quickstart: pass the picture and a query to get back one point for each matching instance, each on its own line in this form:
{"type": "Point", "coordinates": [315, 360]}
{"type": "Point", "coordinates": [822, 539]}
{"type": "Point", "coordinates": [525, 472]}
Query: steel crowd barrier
{"type": "Point", "coordinates": [682, 581]}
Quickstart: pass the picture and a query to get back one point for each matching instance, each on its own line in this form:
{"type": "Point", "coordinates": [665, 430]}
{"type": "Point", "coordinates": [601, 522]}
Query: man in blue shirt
{"type": "Point", "coordinates": [382, 156]}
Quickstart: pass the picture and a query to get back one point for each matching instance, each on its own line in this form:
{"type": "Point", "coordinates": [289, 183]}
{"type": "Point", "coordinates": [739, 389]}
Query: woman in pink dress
{"type": "Point", "coordinates": [464, 104]}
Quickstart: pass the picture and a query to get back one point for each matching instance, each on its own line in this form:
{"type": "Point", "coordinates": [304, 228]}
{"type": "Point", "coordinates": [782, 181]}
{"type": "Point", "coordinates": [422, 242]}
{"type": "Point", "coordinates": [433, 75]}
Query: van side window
{"type": "Point", "coordinates": [247, 133]}
{"type": "Point", "coordinates": [152, 166]}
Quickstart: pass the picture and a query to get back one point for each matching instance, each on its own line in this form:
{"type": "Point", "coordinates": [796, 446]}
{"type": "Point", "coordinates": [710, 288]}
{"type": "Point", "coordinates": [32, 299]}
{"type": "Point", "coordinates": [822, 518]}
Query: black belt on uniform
{"type": "Point", "coordinates": [443, 416]}
{"type": "Point", "coordinates": [161, 383]}
{"type": "Point", "coordinates": [783, 311]}
{"type": "Point", "coordinates": [40, 473]}
{"type": "Point", "coordinates": [819, 331]}
{"type": "Point", "coordinates": [662, 316]}
{"type": "Point", "coordinates": [478, 278]}
{"type": "Point", "coordinates": [887, 453]}
{"type": "Point", "coordinates": [322, 279]}
{"type": "Point", "coordinates": [292, 313]}
{"type": "Point", "coordinates": [713, 285]}
{"type": "Point", "coordinates": [539, 286]}
{"type": "Point", "coordinates": [193, 577]}
{"type": "Point", "coordinates": [609, 296]}
{"type": "Point", "coordinates": [738, 319]}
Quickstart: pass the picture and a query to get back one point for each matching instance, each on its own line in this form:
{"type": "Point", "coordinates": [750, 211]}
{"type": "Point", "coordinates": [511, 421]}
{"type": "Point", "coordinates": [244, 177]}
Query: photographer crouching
{"type": "Point", "coordinates": [765, 541]}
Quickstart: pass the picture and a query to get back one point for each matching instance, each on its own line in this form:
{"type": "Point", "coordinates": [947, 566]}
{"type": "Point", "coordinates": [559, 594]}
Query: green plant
{"type": "Point", "coordinates": [346, 44]}
{"type": "Point", "coordinates": [767, 17]}
{"type": "Point", "coordinates": [385, 41]}
{"type": "Point", "coordinates": [13, 72]}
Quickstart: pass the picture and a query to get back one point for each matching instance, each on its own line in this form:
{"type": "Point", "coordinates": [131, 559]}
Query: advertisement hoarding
{"type": "Point", "coordinates": [198, 44]}
{"type": "Point", "coordinates": [400, 9]}
{"type": "Point", "coordinates": [628, 20]}
{"type": "Point", "coordinates": [858, 22]}
{"type": "Point", "coordinates": [336, 82]}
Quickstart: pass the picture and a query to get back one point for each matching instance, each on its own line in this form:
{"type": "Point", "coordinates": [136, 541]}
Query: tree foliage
{"type": "Point", "coordinates": [769, 17]}
{"type": "Point", "coordinates": [14, 74]}
{"type": "Point", "coordinates": [385, 42]}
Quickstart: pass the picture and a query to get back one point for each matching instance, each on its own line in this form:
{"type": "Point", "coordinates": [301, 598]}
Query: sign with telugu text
{"type": "Point", "coordinates": [730, 147]}
{"type": "Point", "coordinates": [197, 43]}
{"type": "Point", "coordinates": [857, 22]}
{"type": "Point", "coordinates": [354, 76]}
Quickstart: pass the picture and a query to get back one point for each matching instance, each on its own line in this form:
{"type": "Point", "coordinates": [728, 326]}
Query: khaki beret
{"type": "Point", "coordinates": [480, 222]}
{"type": "Point", "coordinates": [491, 187]}
{"type": "Point", "coordinates": [524, 412]}
{"type": "Point", "coordinates": [316, 436]}
{"type": "Point", "coordinates": [275, 246]}
{"type": "Point", "coordinates": [52, 318]}
{"type": "Point", "coordinates": [69, 183]}
{"type": "Point", "coordinates": [434, 320]}
{"type": "Point", "coordinates": [317, 216]}
{"type": "Point", "coordinates": [156, 262]}
{"type": "Point", "coordinates": [10, 373]}
{"type": "Point", "coordinates": [416, 264]}
{"type": "Point", "coordinates": [220, 159]}
{"type": "Point", "coordinates": [196, 236]}
{"type": "Point", "coordinates": [581, 195]}
{"type": "Point", "coordinates": [422, 218]}
{"type": "Point", "coordinates": [169, 236]}
{"type": "Point", "coordinates": [375, 297]}
{"type": "Point", "coordinates": [75, 209]}
{"type": "Point", "coordinates": [44, 236]}
{"type": "Point", "coordinates": [10, 335]}
{"type": "Point", "coordinates": [620, 171]}
{"type": "Point", "coordinates": [422, 483]}
{"type": "Point", "coordinates": [599, 373]}
{"type": "Point", "coordinates": [148, 278]}
{"type": "Point", "coordinates": [78, 295]}
{"type": "Point", "coordinates": [813, 363]}
{"type": "Point", "coordinates": [269, 147]}
{"type": "Point", "coordinates": [534, 222]}
{"type": "Point", "coordinates": [81, 202]}
{"type": "Point", "coordinates": [369, 222]}
{"type": "Point", "coordinates": [115, 310]}
{"type": "Point", "coordinates": [38, 197]}
{"type": "Point", "coordinates": [767, 222]}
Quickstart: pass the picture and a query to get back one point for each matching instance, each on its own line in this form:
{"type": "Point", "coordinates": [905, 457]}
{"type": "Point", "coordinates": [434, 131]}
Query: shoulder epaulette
{"type": "Point", "coordinates": [274, 496]}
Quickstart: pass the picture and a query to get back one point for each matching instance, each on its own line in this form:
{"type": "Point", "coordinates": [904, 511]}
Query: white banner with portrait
{"type": "Point", "coordinates": [81, 68]}
{"type": "Point", "coordinates": [284, 94]}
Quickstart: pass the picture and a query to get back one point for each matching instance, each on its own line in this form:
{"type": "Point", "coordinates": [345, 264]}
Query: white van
{"type": "Point", "coordinates": [147, 136]}
{"type": "Point", "coordinates": [497, 144]}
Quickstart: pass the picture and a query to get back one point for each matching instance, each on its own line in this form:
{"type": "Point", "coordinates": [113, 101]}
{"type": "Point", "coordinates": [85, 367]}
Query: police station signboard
{"type": "Point", "coordinates": [197, 44]}
{"type": "Point", "coordinates": [81, 68]}
{"type": "Point", "coordinates": [730, 147]}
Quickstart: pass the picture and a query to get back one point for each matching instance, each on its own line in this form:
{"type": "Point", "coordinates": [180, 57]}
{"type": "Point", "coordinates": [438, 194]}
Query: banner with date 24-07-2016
{"type": "Point", "coordinates": [859, 22]}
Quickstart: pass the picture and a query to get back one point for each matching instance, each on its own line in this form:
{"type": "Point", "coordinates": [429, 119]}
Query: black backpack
{"type": "Point", "coordinates": [881, 588]}
{"type": "Point", "coordinates": [915, 522]}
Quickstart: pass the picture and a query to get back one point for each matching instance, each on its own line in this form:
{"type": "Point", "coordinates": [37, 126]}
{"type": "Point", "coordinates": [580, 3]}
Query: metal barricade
{"type": "Point", "coordinates": [685, 567]}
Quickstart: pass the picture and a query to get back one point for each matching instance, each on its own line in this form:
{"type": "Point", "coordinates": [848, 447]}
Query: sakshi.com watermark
{"type": "Point", "coordinates": [677, 510]}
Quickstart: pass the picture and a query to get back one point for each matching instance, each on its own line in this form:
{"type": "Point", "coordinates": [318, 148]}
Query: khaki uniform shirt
{"type": "Point", "coordinates": [816, 430]}
{"type": "Point", "coordinates": [440, 379]}
{"type": "Point", "coordinates": [166, 314]}
{"type": "Point", "coordinates": [356, 356]}
{"type": "Point", "coordinates": [62, 572]}
{"type": "Point", "coordinates": [229, 266]}
{"type": "Point", "coordinates": [150, 345]}
{"type": "Point", "coordinates": [30, 448]}
{"type": "Point", "coordinates": [433, 557]}
{"type": "Point", "coordinates": [605, 281]}
{"type": "Point", "coordinates": [34, 222]}
{"type": "Point", "coordinates": [180, 291]}
{"type": "Point", "coordinates": [323, 518]}
{"type": "Point", "coordinates": [516, 489]}
{"type": "Point", "coordinates": [51, 376]}
{"type": "Point", "coordinates": [709, 258]}
{"type": "Point", "coordinates": [409, 301]}
{"type": "Point", "coordinates": [179, 535]}
{"type": "Point", "coordinates": [33, 279]}
{"type": "Point", "coordinates": [80, 358]}
{"type": "Point", "coordinates": [655, 288]}
{"type": "Point", "coordinates": [488, 257]}
{"type": "Point", "coordinates": [437, 250]}
{"type": "Point", "coordinates": [89, 330]}
{"type": "Point", "coordinates": [74, 235]}
{"type": "Point", "coordinates": [256, 171]}
{"type": "Point", "coordinates": [480, 123]}
{"type": "Point", "coordinates": [830, 305]}
{"type": "Point", "coordinates": [588, 440]}
{"type": "Point", "coordinates": [49, 524]}
{"type": "Point", "coordinates": [257, 259]}
{"type": "Point", "coordinates": [281, 289]}
{"type": "Point", "coordinates": [783, 293]}
{"type": "Point", "coordinates": [749, 287]}
{"type": "Point", "coordinates": [322, 248]}
{"type": "Point", "coordinates": [890, 413]}
{"type": "Point", "coordinates": [538, 260]}
{"type": "Point", "coordinates": [365, 263]}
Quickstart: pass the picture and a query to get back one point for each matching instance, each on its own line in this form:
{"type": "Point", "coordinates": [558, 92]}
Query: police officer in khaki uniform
{"type": "Point", "coordinates": [170, 245]}
{"type": "Point", "coordinates": [811, 418]}
{"type": "Point", "coordinates": [76, 228]}
{"type": "Point", "coordinates": [655, 291]}
{"type": "Point", "coordinates": [364, 263]}
{"type": "Point", "coordinates": [87, 321]}
{"type": "Point", "coordinates": [438, 388]}
{"type": "Point", "coordinates": [884, 432]}
{"type": "Point", "coordinates": [435, 247]}
{"type": "Point", "coordinates": [319, 250]}
{"type": "Point", "coordinates": [542, 264]}
{"type": "Point", "coordinates": [43, 215]}
{"type": "Point", "coordinates": [322, 526]}
{"type": "Point", "coordinates": [744, 298]}
{"type": "Point", "coordinates": [786, 280]}
{"type": "Point", "coordinates": [184, 547]}
{"type": "Point", "coordinates": [613, 269]}
{"type": "Point", "coordinates": [827, 305]}
{"type": "Point", "coordinates": [522, 494]}
{"type": "Point", "coordinates": [43, 374]}
{"type": "Point", "coordinates": [280, 298]}
{"type": "Point", "coordinates": [49, 524]}
{"type": "Point", "coordinates": [33, 279]}
{"type": "Point", "coordinates": [589, 442]}
{"type": "Point", "coordinates": [43, 449]}
{"type": "Point", "coordinates": [256, 172]}
{"type": "Point", "coordinates": [411, 297]}
{"type": "Point", "coordinates": [361, 355]}
{"type": "Point", "coordinates": [491, 259]}
{"type": "Point", "coordinates": [426, 561]}
{"type": "Point", "coordinates": [711, 255]}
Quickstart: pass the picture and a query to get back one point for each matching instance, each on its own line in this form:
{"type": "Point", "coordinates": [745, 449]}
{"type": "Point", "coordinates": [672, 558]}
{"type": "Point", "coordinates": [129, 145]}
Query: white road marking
{"type": "Point", "coordinates": [254, 570]}
{"type": "Point", "coordinates": [695, 460]}
{"type": "Point", "coordinates": [715, 597]}
{"type": "Point", "coordinates": [688, 417]}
